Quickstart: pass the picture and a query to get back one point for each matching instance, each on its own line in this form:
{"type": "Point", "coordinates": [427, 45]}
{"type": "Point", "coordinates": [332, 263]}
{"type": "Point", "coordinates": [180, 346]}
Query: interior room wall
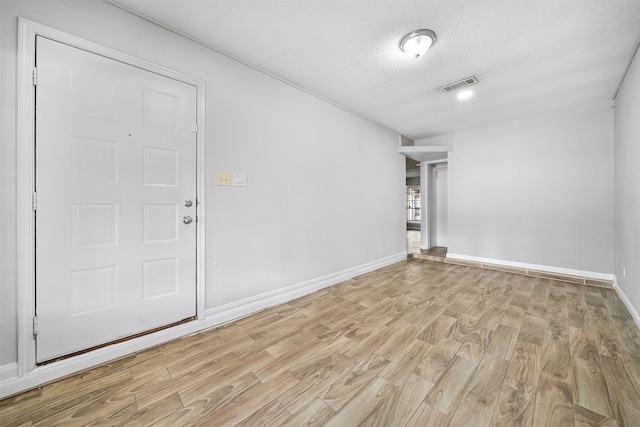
{"type": "Point", "coordinates": [627, 185]}
{"type": "Point", "coordinates": [440, 140]}
{"type": "Point", "coordinates": [325, 189]}
{"type": "Point", "coordinates": [537, 190]}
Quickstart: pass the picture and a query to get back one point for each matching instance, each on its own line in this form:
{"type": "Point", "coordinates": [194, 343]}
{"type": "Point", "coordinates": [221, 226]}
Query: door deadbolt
{"type": "Point", "coordinates": [188, 203]}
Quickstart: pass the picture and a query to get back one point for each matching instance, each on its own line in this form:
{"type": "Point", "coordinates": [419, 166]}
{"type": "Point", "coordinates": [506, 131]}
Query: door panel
{"type": "Point", "coordinates": [115, 161]}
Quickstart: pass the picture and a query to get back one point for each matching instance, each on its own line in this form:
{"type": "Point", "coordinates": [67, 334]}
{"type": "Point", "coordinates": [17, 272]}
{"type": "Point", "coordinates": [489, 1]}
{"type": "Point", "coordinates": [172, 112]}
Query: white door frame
{"type": "Point", "coordinates": [434, 193]}
{"type": "Point", "coordinates": [26, 362]}
{"type": "Point", "coordinates": [428, 226]}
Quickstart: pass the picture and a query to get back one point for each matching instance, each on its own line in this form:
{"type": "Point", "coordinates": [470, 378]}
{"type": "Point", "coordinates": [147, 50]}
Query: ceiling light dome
{"type": "Point", "coordinates": [417, 43]}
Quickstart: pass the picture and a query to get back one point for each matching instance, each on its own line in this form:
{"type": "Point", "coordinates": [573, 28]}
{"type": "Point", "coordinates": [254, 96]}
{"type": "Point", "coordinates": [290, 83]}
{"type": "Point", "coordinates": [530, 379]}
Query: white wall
{"type": "Point", "coordinates": [325, 188]}
{"type": "Point", "coordinates": [440, 140]}
{"type": "Point", "coordinates": [627, 185]}
{"type": "Point", "coordinates": [537, 190]}
{"type": "Point", "coordinates": [442, 214]}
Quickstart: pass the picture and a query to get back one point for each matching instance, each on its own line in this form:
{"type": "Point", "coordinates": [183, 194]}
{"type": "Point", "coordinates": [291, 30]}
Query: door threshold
{"type": "Point", "coordinates": [128, 338]}
{"type": "Point", "coordinates": [436, 253]}
{"type": "Point", "coordinates": [440, 251]}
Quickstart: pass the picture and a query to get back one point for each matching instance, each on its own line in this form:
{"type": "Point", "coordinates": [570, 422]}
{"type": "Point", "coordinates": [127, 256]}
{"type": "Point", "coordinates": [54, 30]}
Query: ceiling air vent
{"type": "Point", "coordinates": [460, 83]}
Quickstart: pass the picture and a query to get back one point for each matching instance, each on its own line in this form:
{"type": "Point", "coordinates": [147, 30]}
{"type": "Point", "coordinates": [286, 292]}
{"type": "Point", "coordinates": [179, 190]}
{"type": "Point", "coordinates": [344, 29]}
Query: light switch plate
{"type": "Point", "coordinates": [239, 179]}
{"type": "Point", "coordinates": [224, 179]}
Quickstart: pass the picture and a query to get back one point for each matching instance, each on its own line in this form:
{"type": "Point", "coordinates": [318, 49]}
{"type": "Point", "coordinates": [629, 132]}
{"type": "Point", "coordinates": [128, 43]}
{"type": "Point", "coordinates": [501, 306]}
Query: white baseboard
{"type": "Point", "coordinates": [627, 303]}
{"type": "Point", "coordinates": [54, 371]}
{"type": "Point", "coordinates": [538, 267]}
{"type": "Point", "coordinates": [238, 309]}
{"type": "Point", "coordinates": [8, 371]}
{"type": "Point", "coordinates": [11, 384]}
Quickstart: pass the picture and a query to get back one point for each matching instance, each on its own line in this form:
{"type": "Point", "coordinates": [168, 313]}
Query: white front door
{"type": "Point", "coordinates": [115, 171]}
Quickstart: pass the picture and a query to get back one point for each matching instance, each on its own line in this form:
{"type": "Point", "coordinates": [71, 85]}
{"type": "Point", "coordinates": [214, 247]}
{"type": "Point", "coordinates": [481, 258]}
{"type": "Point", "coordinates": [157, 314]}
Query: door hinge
{"type": "Point", "coordinates": [34, 201]}
{"type": "Point", "coordinates": [35, 326]}
{"type": "Point", "coordinates": [35, 76]}
{"type": "Point", "coordinates": [194, 128]}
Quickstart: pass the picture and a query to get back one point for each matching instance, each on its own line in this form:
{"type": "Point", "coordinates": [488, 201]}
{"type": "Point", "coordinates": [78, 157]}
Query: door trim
{"type": "Point", "coordinates": [427, 200]}
{"type": "Point", "coordinates": [27, 32]}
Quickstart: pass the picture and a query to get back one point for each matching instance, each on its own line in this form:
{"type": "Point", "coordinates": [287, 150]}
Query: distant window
{"type": "Point", "coordinates": [413, 203]}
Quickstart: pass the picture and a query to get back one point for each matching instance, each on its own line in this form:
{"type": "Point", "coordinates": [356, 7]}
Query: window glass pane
{"type": "Point", "coordinates": [413, 203]}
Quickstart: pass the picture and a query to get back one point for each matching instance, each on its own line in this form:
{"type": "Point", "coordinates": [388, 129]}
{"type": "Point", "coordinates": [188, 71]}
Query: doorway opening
{"type": "Point", "coordinates": [427, 207]}
{"type": "Point", "coordinates": [413, 206]}
{"type": "Point", "coordinates": [437, 202]}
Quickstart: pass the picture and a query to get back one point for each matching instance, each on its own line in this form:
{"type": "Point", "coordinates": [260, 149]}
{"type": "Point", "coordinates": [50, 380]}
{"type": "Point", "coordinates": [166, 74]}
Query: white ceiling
{"type": "Point", "coordinates": [531, 57]}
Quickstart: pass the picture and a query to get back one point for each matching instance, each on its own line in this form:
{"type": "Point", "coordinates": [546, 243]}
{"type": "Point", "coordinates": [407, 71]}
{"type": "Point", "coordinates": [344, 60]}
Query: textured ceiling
{"type": "Point", "coordinates": [531, 57]}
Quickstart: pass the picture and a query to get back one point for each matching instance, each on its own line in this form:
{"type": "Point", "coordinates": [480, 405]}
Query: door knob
{"type": "Point", "coordinates": [187, 220]}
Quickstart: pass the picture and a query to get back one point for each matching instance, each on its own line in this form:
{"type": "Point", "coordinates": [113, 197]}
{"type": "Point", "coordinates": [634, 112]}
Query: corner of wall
{"type": "Point", "coordinates": [632, 310]}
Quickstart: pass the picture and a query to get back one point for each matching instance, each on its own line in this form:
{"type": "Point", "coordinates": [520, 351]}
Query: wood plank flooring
{"type": "Point", "coordinates": [418, 343]}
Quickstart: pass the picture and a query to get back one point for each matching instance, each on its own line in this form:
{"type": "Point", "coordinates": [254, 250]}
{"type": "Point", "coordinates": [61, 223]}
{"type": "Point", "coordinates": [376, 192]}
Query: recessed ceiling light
{"type": "Point", "coordinates": [417, 43]}
{"type": "Point", "coordinates": [465, 94]}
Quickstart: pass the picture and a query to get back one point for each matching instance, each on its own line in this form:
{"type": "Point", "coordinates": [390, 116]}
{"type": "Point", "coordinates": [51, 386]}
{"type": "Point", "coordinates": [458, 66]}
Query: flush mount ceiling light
{"type": "Point", "coordinates": [417, 43]}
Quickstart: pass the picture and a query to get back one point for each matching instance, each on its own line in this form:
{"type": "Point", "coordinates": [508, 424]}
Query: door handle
{"type": "Point", "coordinates": [187, 220]}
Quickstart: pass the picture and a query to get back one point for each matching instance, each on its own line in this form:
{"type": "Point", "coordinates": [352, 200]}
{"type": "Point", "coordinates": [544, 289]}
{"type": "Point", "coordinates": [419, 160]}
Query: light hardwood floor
{"type": "Point", "coordinates": [418, 343]}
